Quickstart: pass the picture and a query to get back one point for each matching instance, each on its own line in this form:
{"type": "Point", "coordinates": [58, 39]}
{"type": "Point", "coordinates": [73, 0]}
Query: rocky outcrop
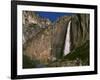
{"type": "Point", "coordinates": [32, 24]}
{"type": "Point", "coordinates": [37, 37]}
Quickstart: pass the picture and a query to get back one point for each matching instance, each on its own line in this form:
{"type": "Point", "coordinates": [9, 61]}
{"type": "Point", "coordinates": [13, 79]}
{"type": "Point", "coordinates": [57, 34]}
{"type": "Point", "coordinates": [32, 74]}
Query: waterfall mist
{"type": "Point", "coordinates": [23, 39]}
{"type": "Point", "coordinates": [67, 40]}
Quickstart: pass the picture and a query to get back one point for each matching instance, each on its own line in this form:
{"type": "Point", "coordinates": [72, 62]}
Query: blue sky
{"type": "Point", "coordinates": [52, 15]}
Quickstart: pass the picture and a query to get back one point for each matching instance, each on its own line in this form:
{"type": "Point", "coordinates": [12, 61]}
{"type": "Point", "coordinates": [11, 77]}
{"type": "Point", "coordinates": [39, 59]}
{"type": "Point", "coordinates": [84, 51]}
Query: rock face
{"type": "Point", "coordinates": [32, 24]}
{"type": "Point", "coordinates": [79, 30]}
{"type": "Point", "coordinates": [37, 34]}
{"type": "Point", "coordinates": [44, 41]}
{"type": "Point", "coordinates": [59, 35]}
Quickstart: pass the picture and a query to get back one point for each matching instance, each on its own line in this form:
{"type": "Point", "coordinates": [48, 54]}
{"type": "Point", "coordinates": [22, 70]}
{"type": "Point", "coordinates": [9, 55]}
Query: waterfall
{"type": "Point", "coordinates": [67, 40]}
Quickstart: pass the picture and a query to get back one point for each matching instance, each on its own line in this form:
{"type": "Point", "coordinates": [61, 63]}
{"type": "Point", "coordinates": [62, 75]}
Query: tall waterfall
{"type": "Point", "coordinates": [67, 40]}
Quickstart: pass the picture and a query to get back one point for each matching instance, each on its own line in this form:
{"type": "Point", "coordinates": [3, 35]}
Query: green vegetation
{"type": "Point", "coordinates": [27, 63]}
{"type": "Point", "coordinates": [81, 52]}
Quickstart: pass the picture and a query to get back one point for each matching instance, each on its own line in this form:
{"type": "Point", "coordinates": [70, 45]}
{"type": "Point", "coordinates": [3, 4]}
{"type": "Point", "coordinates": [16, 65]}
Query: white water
{"type": "Point", "coordinates": [67, 40]}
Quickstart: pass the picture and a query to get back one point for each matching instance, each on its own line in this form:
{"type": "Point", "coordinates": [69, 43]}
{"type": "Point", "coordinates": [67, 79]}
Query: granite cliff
{"type": "Point", "coordinates": [44, 41]}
